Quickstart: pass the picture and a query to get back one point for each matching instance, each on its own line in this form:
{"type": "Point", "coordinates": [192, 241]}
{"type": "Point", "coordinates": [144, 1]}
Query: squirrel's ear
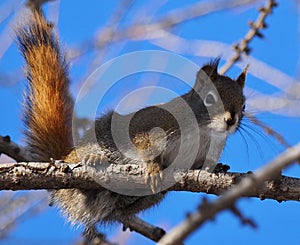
{"type": "Point", "coordinates": [242, 77]}
{"type": "Point", "coordinates": [210, 69]}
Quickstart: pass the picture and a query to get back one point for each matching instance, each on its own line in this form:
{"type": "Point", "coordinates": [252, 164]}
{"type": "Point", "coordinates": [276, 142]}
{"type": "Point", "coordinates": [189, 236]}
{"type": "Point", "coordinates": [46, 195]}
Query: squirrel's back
{"type": "Point", "coordinates": [48, 106]}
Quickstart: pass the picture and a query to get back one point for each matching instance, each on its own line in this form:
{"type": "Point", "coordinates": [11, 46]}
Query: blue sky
{"type": "Point", "coordinates": [77, 22]}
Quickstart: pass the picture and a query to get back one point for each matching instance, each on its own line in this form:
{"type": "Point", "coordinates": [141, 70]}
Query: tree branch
{"type": "Point", "coordinates": [255, 27]}
{"type": "Point", "coordinates": [56, 175]}
{"type": "Point", "coordinates": [13, 150]}
{"type": "Point", "coordinates": [152, 232]}
{"type": "Point", "coordinates": [138, 30]}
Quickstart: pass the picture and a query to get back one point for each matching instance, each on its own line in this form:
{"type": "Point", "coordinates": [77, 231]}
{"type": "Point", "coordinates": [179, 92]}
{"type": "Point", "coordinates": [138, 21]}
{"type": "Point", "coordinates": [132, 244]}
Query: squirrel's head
{"type": "Point", "coordinates": [221, 97]}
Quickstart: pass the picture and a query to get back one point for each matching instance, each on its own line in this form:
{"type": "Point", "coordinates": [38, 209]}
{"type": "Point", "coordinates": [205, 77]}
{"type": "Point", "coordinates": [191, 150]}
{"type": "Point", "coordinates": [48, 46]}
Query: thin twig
{"type": "Point", "coordinates": [243, 219]}
{"type": "Point", "coordinates": [255, 27]}
{"type": "Point", "coordinates": [20, 207]}
{"type": "Point", "coordinates": [171, 19]}
{"type": "Point", "coordinates": [113, 24]}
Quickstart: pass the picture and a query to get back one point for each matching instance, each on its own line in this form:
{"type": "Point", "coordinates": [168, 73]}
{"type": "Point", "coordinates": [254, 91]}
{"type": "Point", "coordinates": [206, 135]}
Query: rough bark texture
{"type": "Point", "coordinates": [32, 175]}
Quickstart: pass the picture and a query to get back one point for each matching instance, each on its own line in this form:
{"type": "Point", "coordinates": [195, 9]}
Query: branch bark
{"type": "Point", "coordinates": [13, 150]}
{"type": "Point", "coordinates": [57, 175]}
{"type": "Point", "coordinates": [256, 27]}
{"type": "Point", "coordinates": [152, 232]}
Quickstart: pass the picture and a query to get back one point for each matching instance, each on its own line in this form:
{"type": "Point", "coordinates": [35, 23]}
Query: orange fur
{"type": "Point", "coordinates": [48, 112]}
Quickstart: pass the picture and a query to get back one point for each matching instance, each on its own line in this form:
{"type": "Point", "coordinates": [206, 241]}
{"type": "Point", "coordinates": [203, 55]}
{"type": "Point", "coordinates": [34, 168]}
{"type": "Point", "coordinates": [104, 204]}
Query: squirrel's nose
{"type": "Point", "coordinates": [230, 119]}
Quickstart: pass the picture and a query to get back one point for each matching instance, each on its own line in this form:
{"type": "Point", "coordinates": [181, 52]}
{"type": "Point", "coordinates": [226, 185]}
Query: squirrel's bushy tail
{"type": "Point", "coordinates": [48, 104]}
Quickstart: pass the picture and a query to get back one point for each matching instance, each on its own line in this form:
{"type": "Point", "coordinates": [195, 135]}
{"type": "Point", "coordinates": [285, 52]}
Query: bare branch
{"type": "Point", "coordinates": [26, 176]}
{"type": "Point", "coordinates": [255, 27]}
{"type": "Point", "coordinates": [20, 206]}
{"type": "Point", "coordinates": [12, 78]}
{"type": "Point", "coordinates": [8, 8]}
{"type": "Point", "coordinates": [228, 199]}
{"type": "Point", "coordinates": [193, 11]}
{"type": "Point", "coordinates": [113, 23]}
{"type": "Point", "coordinates": [243, 219]}
{"type": "Point", "coordinates": [13, 150]}
{"type": "Point", "coordinates": [146, 13]}
{"type": "Point", "coordinates": [171, 19]}
{"type": "Point", "coordinates": [152, 232]}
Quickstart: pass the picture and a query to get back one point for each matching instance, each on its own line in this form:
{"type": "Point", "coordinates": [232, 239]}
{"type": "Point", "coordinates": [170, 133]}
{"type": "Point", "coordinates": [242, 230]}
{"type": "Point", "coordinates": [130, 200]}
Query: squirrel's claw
{"type": "Point", "coordinates": [154, 177]}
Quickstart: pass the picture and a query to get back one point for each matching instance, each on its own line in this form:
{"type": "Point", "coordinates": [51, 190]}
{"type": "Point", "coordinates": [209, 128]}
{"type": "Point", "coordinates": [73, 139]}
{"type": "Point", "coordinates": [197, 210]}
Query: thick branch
{"type": "Point", "coordinates": [26, 176]}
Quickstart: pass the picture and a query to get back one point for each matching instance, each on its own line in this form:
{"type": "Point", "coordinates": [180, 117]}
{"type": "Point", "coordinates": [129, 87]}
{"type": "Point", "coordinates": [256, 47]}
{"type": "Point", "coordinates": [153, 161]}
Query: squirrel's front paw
{"type": "Point", "coordinates": [221, 168]}
{"type": "Point", "coordinates": [154, 177]}
{"type": "Point", "coordinates": [93, 160]}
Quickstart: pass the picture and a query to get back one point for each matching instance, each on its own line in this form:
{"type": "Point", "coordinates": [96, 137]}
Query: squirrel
{"type": "Point", "coordinates": [48, 120]}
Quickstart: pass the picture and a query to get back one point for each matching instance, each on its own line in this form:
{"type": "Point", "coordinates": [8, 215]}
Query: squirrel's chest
{"type": "Point", "coordinates": [192, 150]}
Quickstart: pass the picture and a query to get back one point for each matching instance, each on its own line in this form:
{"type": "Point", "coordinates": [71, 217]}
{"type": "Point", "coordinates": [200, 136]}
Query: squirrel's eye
{"type": "Point", "coordinates": [210, 99]}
